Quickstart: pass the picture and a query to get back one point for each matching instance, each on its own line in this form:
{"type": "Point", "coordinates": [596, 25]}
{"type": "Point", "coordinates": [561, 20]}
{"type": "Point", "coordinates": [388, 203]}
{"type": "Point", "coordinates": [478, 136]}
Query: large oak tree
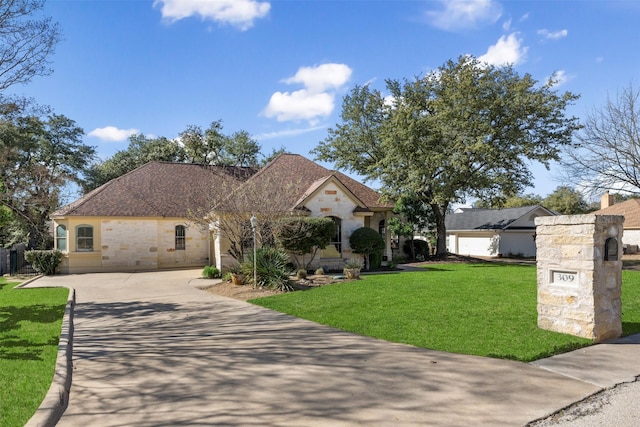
{"type": "Point", "coordinates": [466, 129]}
{"type": "Point", "coordinates": [40, 153]}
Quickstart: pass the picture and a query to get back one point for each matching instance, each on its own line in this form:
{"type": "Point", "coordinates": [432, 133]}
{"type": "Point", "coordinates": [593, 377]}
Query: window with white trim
{"type": "Point", "coordinates": [181, 238]}
{"type": "Point", "coordinates": [84, 238]}
{"type": "Point", "coordinates": [61, 238]}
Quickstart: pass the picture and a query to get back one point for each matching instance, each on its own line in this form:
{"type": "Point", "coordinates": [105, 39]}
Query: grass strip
{"type": "Point", "coordinates": [30, 326]}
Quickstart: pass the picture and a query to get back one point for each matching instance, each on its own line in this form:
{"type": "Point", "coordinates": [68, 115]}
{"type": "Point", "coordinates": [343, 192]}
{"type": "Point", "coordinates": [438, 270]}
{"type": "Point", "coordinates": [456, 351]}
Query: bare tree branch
{"type": "Point", "coordinates": [607, 153]}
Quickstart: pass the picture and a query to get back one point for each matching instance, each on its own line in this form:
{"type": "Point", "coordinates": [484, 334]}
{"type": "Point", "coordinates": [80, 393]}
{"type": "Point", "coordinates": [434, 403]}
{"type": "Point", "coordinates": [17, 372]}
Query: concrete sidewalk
{"type": "Point", "coordinates": [151, 349]}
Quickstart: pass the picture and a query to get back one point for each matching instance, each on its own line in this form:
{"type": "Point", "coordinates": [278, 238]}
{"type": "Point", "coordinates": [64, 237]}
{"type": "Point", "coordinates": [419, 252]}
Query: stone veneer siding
{"type": "Point", "coordinates": [578, 290]}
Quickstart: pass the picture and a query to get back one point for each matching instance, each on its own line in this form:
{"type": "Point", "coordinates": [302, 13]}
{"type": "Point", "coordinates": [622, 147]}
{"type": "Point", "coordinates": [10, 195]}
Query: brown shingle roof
{"type": "Point", "coordinates": [156, 189]}
{"type": "Point", "coordinates": [305, 176]}
{"type": "Point", "coordinates": [163, 189]}
{"type": "Point", "coordinates": [629, 208]}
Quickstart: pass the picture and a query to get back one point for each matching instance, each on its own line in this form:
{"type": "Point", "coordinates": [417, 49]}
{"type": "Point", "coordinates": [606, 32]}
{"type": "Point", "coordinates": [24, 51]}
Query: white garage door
{"type": "Point", "coordinates": [477, 246]}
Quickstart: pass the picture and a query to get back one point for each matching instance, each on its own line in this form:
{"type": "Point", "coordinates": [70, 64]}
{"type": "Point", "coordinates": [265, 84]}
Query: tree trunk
{"type": "Point", "coordinates": [441, 230]}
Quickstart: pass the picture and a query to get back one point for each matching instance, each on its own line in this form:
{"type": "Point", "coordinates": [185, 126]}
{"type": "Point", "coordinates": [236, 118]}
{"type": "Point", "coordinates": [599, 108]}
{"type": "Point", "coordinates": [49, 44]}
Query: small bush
{"type": "Point", "coordinates": [319, 272]}
{"type": "Point", "coordinates": [301, 273]}
{"type": "Point", "coordinates": [353, 263]}
{"type": "Point", "coordinates": [211, 272]}
{"type": "Point", "coordinates": [420, 246]}
{"type": "Point", "coordinates": [44, 262]}
{"type": "Point", "coordinates": [366, 241]}
{"type": "Point", "coordinates": [375, 259]}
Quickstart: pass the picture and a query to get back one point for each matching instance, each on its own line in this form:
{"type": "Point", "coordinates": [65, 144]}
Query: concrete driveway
{"type": "Point", "coordinates": [150, 349]}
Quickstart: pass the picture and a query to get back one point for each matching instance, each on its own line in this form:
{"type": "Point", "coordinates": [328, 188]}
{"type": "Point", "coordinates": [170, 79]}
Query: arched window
{"type": "Point", "coordinates": [84, 238]}
{"type": "Point", "coordinates": [181, 237]}
{"type": "Point", "coordinates": [61, 238]}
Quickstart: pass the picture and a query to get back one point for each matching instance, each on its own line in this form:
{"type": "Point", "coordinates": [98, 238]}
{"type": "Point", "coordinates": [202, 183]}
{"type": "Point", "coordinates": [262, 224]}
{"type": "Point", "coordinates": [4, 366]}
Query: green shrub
{"type": "Point", "coordinates": [366, 241]}
{"type": "Point", "coordinates": [272, 269]}
{"type": "Point", "coordinates": [44, 262]}
{"type": "Point", "coordinates": [420, 247]}
{"type": "Point", "coordinates": [301, 273]}
{"type": "Point", "coordinates": [375, 258]}
{"type": "Point", "coordinates": [319, 272]}
{"type": "Point", "coordinates": [211, 272]}
{"type": "Point", "coordinates": [353, 263]}
{"type": "Point", "coordinates": [304, 236]}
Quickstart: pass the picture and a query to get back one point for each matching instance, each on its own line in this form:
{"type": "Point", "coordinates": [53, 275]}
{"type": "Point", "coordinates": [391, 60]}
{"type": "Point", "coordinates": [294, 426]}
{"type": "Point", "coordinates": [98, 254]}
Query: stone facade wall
{"type": "Point", "coordinates": [578, 288]}
{"type": "Point", "coordinates": [124, 244]}
{"type": "Point", "coordinates": [195, 253]}
{"type": "Point", "coordinates": [331, 200]}
{"type": "Point", "coordinates": [129, 243]}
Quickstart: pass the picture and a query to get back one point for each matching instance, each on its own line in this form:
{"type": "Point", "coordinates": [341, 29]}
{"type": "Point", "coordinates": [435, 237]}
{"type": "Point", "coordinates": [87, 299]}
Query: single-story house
{"type": "Point", "coordinates": [494, 232]}
{"type": "Point", "coordinates": [630, 209]}
{"type": "Point", "coordinates": [140, 221]}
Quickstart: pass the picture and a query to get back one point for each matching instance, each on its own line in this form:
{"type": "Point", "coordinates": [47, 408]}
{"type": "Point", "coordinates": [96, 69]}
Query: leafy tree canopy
{"type": "Point", "coordinates": [141, 150]}
{"type": "Point", "coordinates": [466, 129]}
{"type": "Point", "coordinates": [304, 235]}
{"type": "Point", "coordinates": [212, 147]}
{"type": "Point", "coordinates": [40, 153]}
{"type": "Point", "coordinates": [516, 201]}
{"type": "Point", "coordinates": [566, 201]}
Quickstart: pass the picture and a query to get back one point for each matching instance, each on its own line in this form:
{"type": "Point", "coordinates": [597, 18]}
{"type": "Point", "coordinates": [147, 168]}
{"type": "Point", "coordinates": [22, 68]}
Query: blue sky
{"type": "Point", "coordinates": [279, 69]}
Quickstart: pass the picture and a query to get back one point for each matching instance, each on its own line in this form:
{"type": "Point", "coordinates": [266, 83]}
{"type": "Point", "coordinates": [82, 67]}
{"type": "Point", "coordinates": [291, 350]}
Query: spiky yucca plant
{"type": "Point", "coordinates": [272, 269]}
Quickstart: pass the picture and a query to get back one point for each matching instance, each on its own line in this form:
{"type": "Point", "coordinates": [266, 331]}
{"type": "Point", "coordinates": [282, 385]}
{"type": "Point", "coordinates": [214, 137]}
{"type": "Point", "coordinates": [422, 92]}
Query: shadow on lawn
{"type": "Point", "coordinates": [19, 347]}
{"type": "Point", "coordinates": [16, 348]}
{"type": "Point", "coordinates": [34, 313]}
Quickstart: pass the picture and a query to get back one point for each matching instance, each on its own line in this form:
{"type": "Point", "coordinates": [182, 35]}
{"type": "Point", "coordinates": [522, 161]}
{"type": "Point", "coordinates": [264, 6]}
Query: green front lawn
{"type": "Point", "coordinates": [30, 323]}
{"type": "Point", "coordinates": [481, 309]}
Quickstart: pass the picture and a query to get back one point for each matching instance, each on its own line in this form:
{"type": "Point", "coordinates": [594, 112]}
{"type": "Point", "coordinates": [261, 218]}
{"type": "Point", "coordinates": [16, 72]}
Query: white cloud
{"type": "Point", "coordinates": [462, 14]}
{"type": "Point", "coordinates": [506, 25]}
{"type": "Point", "coordinates": [553, 35]}
{"type": "Point", "coordinates": [316, 100]}
{"type": "Point", "coordinates": [112, 133]}
{"type": "Point", "coordinates": [507, 50]}
{"type": "Point", "coordinates": [322, 77]}
{"type": "Point", "coordinates": [300, 105]}
{"type": "Point", "coordinates": [238, 13]}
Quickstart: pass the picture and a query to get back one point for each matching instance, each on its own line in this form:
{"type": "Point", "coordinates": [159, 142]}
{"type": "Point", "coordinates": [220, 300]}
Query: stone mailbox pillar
{"type": "Point", "coordinates": [579, 261]}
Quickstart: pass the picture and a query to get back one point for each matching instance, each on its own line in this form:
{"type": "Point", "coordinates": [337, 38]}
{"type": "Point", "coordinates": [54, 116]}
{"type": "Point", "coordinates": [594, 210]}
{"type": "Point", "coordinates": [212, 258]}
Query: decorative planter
{"type": "Point", "coordinates": [352, 273]}
{"type": "Point", "coordinates": [237, 279]}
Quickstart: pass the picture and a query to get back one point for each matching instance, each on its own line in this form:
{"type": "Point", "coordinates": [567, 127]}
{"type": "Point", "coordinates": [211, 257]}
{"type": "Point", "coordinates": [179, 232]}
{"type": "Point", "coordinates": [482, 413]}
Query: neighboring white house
{"type": "Point", "coordinates": [494, 232]}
